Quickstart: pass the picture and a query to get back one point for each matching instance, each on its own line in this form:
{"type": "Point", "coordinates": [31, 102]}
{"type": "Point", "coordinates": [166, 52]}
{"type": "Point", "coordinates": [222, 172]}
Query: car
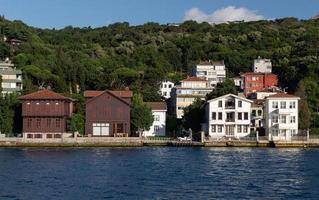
{"type": "Point", "coordinates": [184, 139]}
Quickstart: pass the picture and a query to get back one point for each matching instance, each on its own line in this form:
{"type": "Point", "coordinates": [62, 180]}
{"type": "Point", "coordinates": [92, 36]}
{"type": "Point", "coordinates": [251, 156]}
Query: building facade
{"type": "Point", "coordinates": [166, 88]}
{"type": "Point", "coordinates": [262, 66]}
{"type": "Point", "coordinates": [11, 78]}
{"type": "Point", "coordinates": [108, 113]}
{"type": "Point", "coordinates": [254, 82]}
{"type": "Point", "coordinates": [45, 114]}
{"type": "Point", "coordinates": [158, 127]}
{"type": "Point", "coordinates": [213, 71]}
{"type": "Point", "coordinates": [228, 116]}
{"type": "Point", "coordinates": [186, 93]}
{"type": "Point", "coordinates": [281, 116]}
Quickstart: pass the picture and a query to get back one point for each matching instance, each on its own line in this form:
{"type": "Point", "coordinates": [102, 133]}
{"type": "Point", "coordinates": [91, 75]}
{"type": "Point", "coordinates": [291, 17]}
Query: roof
{"type": "Point", "coordinates": [45, 95]}
{"type": "Point", "coordinates": [193, 78]}
{"type": "Point", "coordinates": [211, 62]}
{"type": "Point", "coordinates": [227, 95]}
{"type": "Point", "coordinates": [256, 74]}
{"type": "Point", "coordinates": [119, 93]}
{"type": "Point", "coordinates": [157, 105]}
{"type": "Point", "coordinates": [282, 95]}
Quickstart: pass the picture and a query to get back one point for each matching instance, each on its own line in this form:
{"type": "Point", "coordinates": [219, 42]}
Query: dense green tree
{"type": "Point", "coordinates": [194, 115]}
{"type": "Point", "coordinates": [141, 115]}
{"type": "Point", "coordinates": [304, 112]}
{"type": "Point", "coordinates": [76, 123]}
{"type": "Point", "coordinates": [226, 87]}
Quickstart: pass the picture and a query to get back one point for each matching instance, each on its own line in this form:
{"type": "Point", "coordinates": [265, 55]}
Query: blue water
{"type": "Point", "coordinates": [159, 173]}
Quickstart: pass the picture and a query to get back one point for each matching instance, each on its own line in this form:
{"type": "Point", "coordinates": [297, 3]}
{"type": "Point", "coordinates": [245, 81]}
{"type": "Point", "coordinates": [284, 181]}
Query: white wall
{"type": "Point", "coordinates": [166, 88]}
{"type": "Point", "coordinates": [213, 106]}
{"type": "Point", "coordinates": [161, 123]}
{"type": "Point", "coordinates": [281, 130]}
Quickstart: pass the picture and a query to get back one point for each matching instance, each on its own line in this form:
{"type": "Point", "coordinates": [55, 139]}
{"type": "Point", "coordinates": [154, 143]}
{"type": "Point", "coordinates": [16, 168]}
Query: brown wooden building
{"type": "Point", "coordinates": [44, 114]}
{"type": "Point", "coordinates": [108, 113]}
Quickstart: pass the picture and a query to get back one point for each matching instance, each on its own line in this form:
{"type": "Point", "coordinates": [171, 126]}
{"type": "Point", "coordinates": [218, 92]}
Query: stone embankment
{"type": "Point", "coordinates": [139, 142]}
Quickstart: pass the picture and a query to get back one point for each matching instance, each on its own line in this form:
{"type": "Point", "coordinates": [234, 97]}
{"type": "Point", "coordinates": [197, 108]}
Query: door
{"type": "Point", "coordinates": [230, 130]}
{"type": "Point", "coordinates": [101, 129]}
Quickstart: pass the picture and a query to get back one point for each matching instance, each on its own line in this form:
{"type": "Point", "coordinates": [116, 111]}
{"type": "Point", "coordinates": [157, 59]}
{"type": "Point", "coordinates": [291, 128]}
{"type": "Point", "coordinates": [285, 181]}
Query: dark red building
{"type": "Point", "coordinates": [45, 114]}
{"type": "Point", "coordinates": [254, 82]}
{"type": "Point", "coordinates": [108, 113]}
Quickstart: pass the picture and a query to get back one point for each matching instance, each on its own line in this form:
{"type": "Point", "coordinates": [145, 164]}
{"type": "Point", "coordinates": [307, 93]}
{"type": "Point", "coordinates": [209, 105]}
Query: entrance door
{"type": "Point", "coordinates": [230, 130]}
{"type": "Point", "coordinates": [101, 129]}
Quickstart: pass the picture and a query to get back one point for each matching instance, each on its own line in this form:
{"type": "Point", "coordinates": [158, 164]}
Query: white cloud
{"type": "Point", "coordinates": [230, 13]}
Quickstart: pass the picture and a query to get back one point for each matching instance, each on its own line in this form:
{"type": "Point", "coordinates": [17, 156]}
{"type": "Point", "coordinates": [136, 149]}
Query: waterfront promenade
{"type": "Point", "coordinates": [151, 141]}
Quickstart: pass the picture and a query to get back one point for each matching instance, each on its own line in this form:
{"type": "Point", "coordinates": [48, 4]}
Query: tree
{"type": "Point", "coordinates": [304, 112]}
{"type": "Point", "coordinates": [141, 115]}
{"type": "Point", "coordinates": [194, 115]}
{"type": "Point", "coordinates": [76, 123]}
{"type": "Point", "coordinates": [226, 87]}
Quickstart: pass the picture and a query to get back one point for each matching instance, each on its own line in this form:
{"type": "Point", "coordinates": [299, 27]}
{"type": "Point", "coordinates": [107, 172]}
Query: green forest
{"type": "Point", "coordinates": [71, 60]}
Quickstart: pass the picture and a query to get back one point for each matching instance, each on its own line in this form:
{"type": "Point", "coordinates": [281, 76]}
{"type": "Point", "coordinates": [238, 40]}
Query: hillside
{"type": "Point", "coordinates": [139, 57]}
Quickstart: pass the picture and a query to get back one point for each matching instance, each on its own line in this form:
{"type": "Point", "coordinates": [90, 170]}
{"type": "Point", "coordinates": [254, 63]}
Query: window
{"type": "Point", "coordinates": [57, 123]}
{"type": "Point", "coordinates": [38, 136]}
{"type": "Point", "coordinates": [292, 104]}
{"type": "Point", "coordinates": [170, 86]}
{"type": "Point", "coordinates": [220, 104]}
{"type": "Point", "coordinates": [253, 113]}
{"type": "Point", "coordinates": [57, 135]}
{"type": "Point", "coordinates": [293, 132]}
{"type": "Point", "coordinates": [156, 128]}
{"type": "Point", "coordinates": [238, 128]}
{"type": "Point", "coordinates": [29, 135]}
{"type": "Point", "coordinates": [240, 116]}
{"type": "Point", "coordinates": [165, 86]}
{"type": "Point", "coordinates": [213, 128]}
{"type": "Point", "coordinates": [120, 128]}
{"type": "Point", "coordinates": [274, 104]}
{"type": "Point", "coordinates": [240, 104]}
{"type": "Point", "coordinates": [29, 123]}
{"type": "Point", "coordinates": [156, 118]}
{"type": "Point", "coordinates": [274, 132]}
{"type": "Point", "coordinates": [49, 136]}
{"type": "Point", "coordinates": [101, 129]}
{"type": "Point", "coordinates": [38, 123]}
{"type": "Point", "coordinates": [246, 116]}
{"type": "Point", "coordinates": [274, 119]}
{"type": "Point", "coordinates": [259, 112]}
{"type": "Point", "coordinates": [283, 119]}
{"type": "Point", "coordinates": [164, 93]}
{"type": "Point", "coordinates": [220, 116]}
{"type": "Point", "coordinates": [245, 129]}
{"type": "Point", "coordinates": [283, 105]}
{"type": "Point", "coordinates": [293, 119]}
{"type": "Point", "coordinates": [213, 115]}
{"type": "Point", "coordinates": [220, 128]}
{"type": "Point", "coordinates": [48, 122]}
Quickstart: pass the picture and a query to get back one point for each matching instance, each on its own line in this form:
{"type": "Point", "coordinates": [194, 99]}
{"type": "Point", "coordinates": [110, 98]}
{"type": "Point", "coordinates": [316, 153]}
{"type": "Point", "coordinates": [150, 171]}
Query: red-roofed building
{"type": "Point", "coordinates": [108, 113]}
{"type": "Point", "coordinates": [45, 114]}
{"type": "Point", "coordinates": [254, 82]}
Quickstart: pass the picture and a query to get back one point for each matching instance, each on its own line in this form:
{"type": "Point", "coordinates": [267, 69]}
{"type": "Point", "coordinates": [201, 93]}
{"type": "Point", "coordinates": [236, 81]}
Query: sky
{"type": "Point", "coordinates": [96, 13]}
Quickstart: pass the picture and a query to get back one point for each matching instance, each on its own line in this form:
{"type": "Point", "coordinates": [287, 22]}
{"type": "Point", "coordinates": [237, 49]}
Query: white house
{"type": "Point", "coordinates": [281, 116]}
{"type": "Point", "coordinates": [166, 88]}
{"type": "Point", "coordinates": [186, 93]}
{"type": "Point", "coordinates": [228, 116]}
{"type": "Point", "coordinates": [262, 65]}
{"type": "Point", "coordinates": [158, 127]}
{"type": "Point", "coordinates": [11, 78]}
{"type": "Point", "coordinates": [213, 71]}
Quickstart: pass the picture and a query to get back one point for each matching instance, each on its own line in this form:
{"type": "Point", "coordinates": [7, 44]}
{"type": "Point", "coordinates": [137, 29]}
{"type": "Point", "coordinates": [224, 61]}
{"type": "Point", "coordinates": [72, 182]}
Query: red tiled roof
{"type": "Point", "coordinates": [282, 95]}
{"type": "Point", "coordinates": [44, 94]}
{"type": "Point", "coordinates": [157, 105]}
{"type": "Point", "coordinates": [119, 93]}
{"type": "Point", "coordinates": [193, 78]}
{"type": "Point", "coordinates": [257, 74]}
{"type": "Point", "coordinates": [92, 93]}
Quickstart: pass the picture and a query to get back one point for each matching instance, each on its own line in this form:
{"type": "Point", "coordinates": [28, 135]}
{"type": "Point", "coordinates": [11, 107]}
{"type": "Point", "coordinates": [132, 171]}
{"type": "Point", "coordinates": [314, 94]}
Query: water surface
{"type": "Point", "coordinates": [159, 173]}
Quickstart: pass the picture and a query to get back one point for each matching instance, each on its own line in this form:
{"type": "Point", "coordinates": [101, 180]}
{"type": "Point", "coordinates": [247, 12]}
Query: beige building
{"type": "Point", "coordinates": [11, 78]}
{"type": "Point", "coordinates": [186, 93]}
